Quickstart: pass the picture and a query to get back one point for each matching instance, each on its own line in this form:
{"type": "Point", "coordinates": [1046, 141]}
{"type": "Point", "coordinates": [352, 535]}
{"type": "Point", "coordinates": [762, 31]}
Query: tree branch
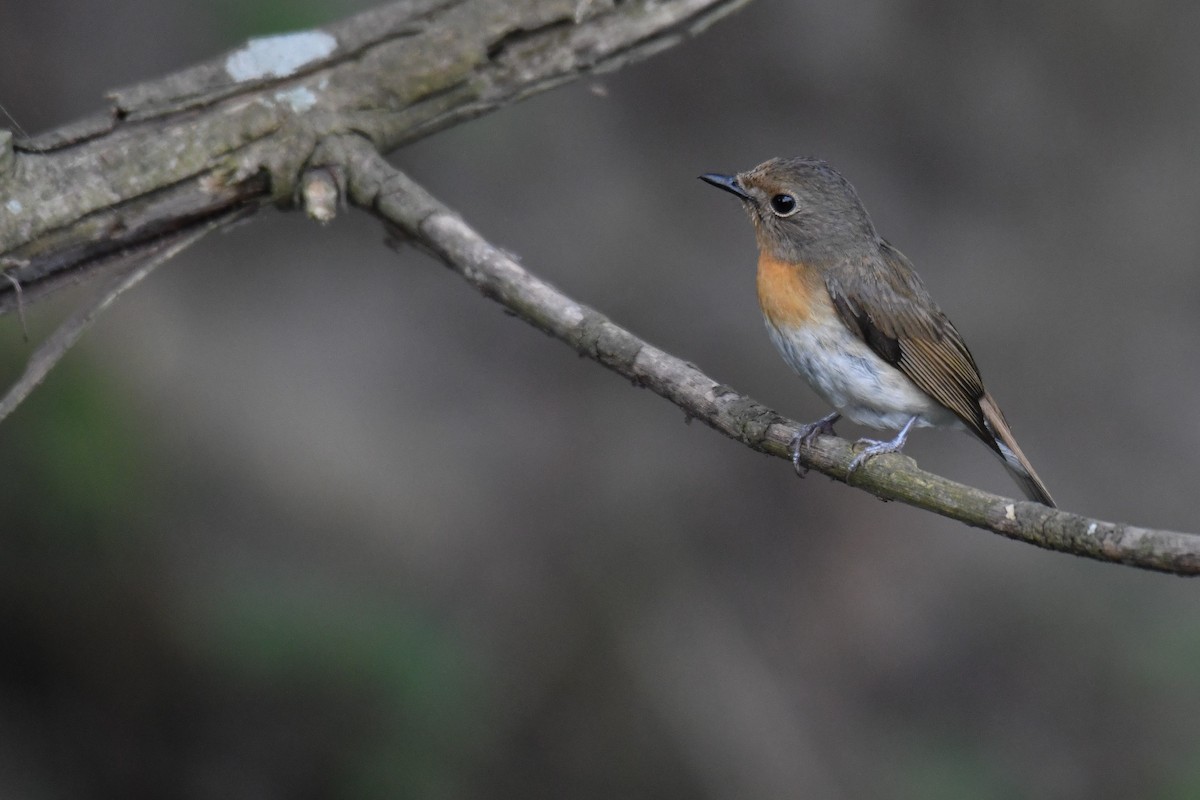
{"type": "Point", "coordinates": [233, 133]}
{"type": "Point", "coordinates": [389, 194]}
{"type": "Point", "coordinates": [305, 116]}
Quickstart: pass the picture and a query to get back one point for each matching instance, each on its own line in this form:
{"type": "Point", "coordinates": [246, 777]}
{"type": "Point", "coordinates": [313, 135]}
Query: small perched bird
{"type": "Point", "coordinates": [848, 312]}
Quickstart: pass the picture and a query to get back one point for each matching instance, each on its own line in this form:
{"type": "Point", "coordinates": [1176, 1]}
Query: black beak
{"type": "Point", "coordinates": [727, 182]}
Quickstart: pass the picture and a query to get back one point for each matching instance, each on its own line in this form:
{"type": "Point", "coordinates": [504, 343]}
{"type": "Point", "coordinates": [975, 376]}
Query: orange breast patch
{"type": "Point", "coordinates": [788, 294]}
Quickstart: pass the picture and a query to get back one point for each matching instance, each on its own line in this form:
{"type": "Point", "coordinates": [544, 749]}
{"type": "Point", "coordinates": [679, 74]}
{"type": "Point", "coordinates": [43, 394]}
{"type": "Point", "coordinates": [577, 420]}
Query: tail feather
{"type": "Point", "coordinates": [1010, 454]}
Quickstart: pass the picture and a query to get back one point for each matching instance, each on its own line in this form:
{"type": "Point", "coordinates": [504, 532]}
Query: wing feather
{"type": "Point", "coordinates": [888, 306]}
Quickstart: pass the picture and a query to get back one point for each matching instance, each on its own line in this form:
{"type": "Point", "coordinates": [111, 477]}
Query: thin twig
{"type": "Point", "coordinates": [136, 267]}
{"type": "Point", "coordinates": [5, 266]}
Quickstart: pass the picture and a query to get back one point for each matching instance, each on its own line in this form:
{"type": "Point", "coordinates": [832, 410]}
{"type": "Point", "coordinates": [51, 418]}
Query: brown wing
{"type": "Point", "coordinates": [888, 306]}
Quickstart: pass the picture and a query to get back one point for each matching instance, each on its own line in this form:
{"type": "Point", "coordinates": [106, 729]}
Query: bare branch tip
{"type": "Point", "coordinates": [321, 192]}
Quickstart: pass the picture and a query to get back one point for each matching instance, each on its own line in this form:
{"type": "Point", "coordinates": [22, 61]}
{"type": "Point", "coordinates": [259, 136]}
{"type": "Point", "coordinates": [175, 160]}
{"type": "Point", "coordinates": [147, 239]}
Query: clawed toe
{"type": "Point", "coordinates": [807, 435]}
{"type": "Point", "coordinates": [794, 446]}
{"type": "Point", "coordinates": [873, 448]}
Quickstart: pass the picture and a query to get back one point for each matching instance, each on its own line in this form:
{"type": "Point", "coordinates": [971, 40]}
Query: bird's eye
{"type": "Point", "coordinates": [783, 204]}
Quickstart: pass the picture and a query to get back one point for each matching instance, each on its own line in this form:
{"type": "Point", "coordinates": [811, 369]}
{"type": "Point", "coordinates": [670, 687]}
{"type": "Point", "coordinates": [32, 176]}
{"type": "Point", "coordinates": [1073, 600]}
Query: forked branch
{"type": "Point", "coordinates": [173, 154]}
{"type": "Point", "coordinates": [182, 155]}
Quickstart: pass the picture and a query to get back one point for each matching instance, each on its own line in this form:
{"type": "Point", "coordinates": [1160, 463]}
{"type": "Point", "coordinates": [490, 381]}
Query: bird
{"type": "Point", "coordinates": [848, 312]}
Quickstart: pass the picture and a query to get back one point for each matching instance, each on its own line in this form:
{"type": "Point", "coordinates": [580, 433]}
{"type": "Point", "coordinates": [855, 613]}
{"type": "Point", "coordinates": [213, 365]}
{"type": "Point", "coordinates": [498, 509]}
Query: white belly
{"type": "Point", "coordinates": [847, 374]}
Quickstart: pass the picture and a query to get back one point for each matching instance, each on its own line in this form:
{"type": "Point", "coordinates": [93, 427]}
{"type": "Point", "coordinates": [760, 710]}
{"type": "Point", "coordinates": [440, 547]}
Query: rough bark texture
{"type": "Point", "coordinates": [234, 132]}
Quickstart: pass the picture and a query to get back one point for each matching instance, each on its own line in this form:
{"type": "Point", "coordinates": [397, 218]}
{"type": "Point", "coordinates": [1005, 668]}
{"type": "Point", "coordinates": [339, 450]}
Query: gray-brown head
{"type": "Point", "coordinates": [802, 209]}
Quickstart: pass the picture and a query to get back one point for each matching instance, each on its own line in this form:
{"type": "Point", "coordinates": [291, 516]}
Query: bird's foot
{"type": "Point", "coordinates": [874, 447]}
{"type": "Point", "coordinates": [807, 434]}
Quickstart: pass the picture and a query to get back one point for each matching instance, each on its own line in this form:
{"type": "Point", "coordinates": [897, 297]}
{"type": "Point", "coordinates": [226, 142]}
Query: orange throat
{"type": "Point", "coordinates": [786, 291]}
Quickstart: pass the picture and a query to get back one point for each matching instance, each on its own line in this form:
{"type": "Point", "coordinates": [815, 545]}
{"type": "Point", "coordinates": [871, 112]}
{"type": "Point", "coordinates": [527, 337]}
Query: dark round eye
{"type": "Point", "coordinates": [783, 204]}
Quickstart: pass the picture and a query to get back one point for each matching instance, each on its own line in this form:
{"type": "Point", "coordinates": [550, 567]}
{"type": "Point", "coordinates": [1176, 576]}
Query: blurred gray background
{"type": "Point", "coordinates": [306, 518]}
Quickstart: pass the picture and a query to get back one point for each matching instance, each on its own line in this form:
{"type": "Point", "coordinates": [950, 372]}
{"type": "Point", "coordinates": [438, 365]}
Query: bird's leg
{"type": "Point", "coordinates": [807, 434]}
{"type": "Point", "coordinates": [875, 447]}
